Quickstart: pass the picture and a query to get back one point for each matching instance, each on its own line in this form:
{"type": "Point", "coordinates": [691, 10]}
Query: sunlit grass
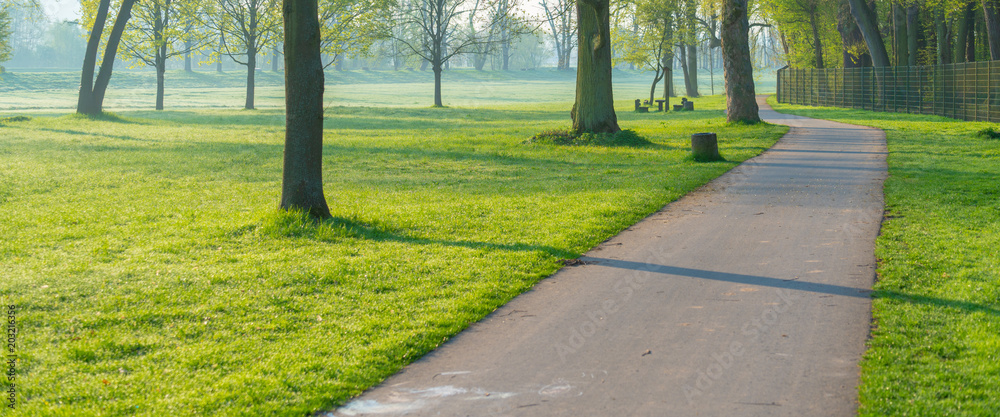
{"type": "Point", "coordinates": [936, 342]}
{"type": "Point", "coordinates": [154, 275]}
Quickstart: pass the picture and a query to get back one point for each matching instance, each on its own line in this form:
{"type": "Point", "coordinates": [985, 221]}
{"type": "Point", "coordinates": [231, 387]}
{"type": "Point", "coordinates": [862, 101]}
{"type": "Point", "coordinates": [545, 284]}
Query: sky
{"type": "Point", "coordinates": [62, 9]}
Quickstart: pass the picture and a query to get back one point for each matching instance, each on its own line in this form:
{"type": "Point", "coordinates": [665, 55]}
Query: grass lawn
{"type": "Point", "coordinates": [153, 274]}
{"type": "Point", "coordinates": [935, 348]}
{"type": "Point", "coordinates": [129, 90]}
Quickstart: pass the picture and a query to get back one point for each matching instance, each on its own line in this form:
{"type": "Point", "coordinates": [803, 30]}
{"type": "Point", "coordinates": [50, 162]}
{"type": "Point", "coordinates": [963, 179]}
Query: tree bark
{"type": "Point", "coordinates": [658, 75]}
{"type": "Point", "coordinates": [942, 35]}
{"type": "Point", "coordinates": [965, 21]}
{"type": "Point", "coordinates": [251, 76]}
{"type": "Point", "coordinates": [437, 85]}
{"type": "Point", "coordinates": [594, 109]}
{"type": "Point", "coordinates": [691, 80]}
{"type": "Point", "coordinates": [850, 35]}
{"type": "Point", "coordinates": [899, 35]}
{"type": "Point", "coordinates": [992, 17]}
{"type": "Point", "coordinates": [302, 175]}
{"type": "Point", "coordinates": [867, 21]}
{"type": "Point", "coordinates": [817, 42]}
{"type": "Point", "coordinates": [274, 57]}
{"type": "Point", "coordinates": [86, 98]}
{"type": "Point", "coordinates": [161, 68]}
{"type": "Point", "coordinates": [741, 100]}
{"type": "Point", "coordinates": [912, 33]}
{"type": "Point", "coordinates": [95, 104]}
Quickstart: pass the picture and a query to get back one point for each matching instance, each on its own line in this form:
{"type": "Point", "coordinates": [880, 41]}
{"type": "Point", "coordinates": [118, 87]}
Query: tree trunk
{"type": "Point", "coordinates": [658, 75]}
{"type": "Point", "coordinates": [274, 57]}
{"type": "Point", "coordinates": [867, 21]}
{"type": "Point", "coordinates": [692, 78]}
{"type": "Point", "coordinates": [437, 85]}
{"type": "Point", "coordinates": [941, 32]}
{"type": "Point", "coordinates": [899, 35]}
{"type": "Point", "coordinates": [594, 109]}
{"type": "Point", "coordinates": [741, 100]}
{"type": "Point", "coordinates": [161, 68]}
{"type": "Point", "coordinates": [251, 77]}
{"type": "Point", "coordinates": [84, 104]}
{"type": "Point", "coordinates": [682, 60]}
{"type": "Point", "coordinates": [992, 17]}
{"type": "Point", "coordinates": [912, 33]}
{"type": "Point", "coordinates": [188, 45]}
{"type": "Point", "coordinates": [965, 21]}
{"type": "Point", "coordinates": [110, 51]}
{"type": "Point", "coordinates": [302, 174]}
{"type": "Point", "coordinates": [970, 48]}
{"type": "Point", "coordinates": [817, 42]}
{"type": "Point", "coordinates": [222, 45]}
{"type": "Point", "coordinates": [850, 36]}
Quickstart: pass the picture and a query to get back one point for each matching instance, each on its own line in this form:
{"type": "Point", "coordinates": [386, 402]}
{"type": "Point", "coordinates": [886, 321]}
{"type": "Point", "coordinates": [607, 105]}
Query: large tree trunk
{"type": "Point", "coordinates": [251, 77]}
{"type": "Point", "coordinates": [108, 62]}
{"type": "Point", "coordinates": [965, 22]}
{"type": "Point", "coordinates": [85, 101]}
{"type": "Point", "coordinates": [850, 36]}
{"type": "Point", "coordinates": [942, 35]}
{"type": "Point", "coordinates": [992, 17]}
{"type": "Point", "coordinates": [741, 101]}
{"type": "Point", "coordinates": [302, 176]}
{"type": "Point", "coordinates": [899, 35]}
{"type": "Point", "coordinates": [912, 33]}
{"type": "Point", "coordinates": [817, 42]}
{"type": "Point", "coordinates": [692, 78]}
{"type": "Point", "coordinates": [867, 21]}
{"type": "Point", "coordinates": [594, 109]}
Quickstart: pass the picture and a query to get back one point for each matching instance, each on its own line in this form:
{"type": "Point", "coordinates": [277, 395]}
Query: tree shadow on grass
{"type": "Point", "coordinates": [103, 135]}
{"type": "Point", "coordinates": [966, 306]}
{"type": "Point", "coordinates": [297, 225]}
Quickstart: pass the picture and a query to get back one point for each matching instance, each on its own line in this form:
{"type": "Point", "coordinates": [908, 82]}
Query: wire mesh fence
{"type": "Point", "coordinates": [968, 91]}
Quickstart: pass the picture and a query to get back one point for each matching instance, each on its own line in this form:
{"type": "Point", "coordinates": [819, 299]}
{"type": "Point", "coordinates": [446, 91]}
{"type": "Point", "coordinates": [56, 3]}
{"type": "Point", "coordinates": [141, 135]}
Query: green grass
{"type": "Point", "coordinates": [155, 276]}
{"type": "Point", "coordinates": [935, 347]}
{"type": "Point", "coordinates": [129, 90]}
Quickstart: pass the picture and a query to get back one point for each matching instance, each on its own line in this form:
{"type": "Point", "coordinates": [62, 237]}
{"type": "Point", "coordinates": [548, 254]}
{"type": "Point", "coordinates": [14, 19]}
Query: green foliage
{"type": "Point", "coordinates": [796, 18]}
{"type": "Point", "coordinates": [154, 275]}
{"type": "Point", "coordinates": [13, 119]}
{"type": "Point", "coordinates": [989, 133]}
{"type": "Point", "coordinates": [5, 32]}
{"type": "Point", "coordinates": [936, 335]}
{"type": "Point", "coordinates": [353, 26]}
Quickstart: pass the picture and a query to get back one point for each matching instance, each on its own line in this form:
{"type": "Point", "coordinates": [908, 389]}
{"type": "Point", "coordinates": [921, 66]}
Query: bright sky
{"type": "Point", "coordinates": [62, 9]}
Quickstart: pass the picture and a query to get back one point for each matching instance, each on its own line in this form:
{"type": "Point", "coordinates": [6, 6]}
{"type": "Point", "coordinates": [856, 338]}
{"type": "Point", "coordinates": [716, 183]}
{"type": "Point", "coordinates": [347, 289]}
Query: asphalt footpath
{"type": "Point", "coordinates": [747, 297]}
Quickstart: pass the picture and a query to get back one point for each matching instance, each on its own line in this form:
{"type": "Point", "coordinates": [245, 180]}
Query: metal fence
{"type": "Point", "coordinates": [968, 91]}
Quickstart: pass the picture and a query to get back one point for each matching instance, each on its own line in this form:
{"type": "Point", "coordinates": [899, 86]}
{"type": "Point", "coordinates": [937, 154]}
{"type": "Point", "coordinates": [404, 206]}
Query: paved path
{"type": "Point", "coordinates": [747, 297]}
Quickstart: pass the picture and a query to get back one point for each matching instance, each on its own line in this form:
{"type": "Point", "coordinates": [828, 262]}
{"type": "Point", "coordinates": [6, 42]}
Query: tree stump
{"type": "Point", "coordinates": [689, 105]}
{"type": "Point", "coordinates": [705, 147]}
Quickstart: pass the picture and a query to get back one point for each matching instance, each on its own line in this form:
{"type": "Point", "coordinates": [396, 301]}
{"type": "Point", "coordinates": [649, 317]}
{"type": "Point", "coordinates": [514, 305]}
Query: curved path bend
{"type": "Point", "coordinates": [747, 297]}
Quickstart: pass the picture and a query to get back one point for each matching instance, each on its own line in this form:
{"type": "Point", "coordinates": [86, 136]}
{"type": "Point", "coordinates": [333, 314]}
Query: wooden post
{"type": "Point", "coordinates": [705, 147]}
